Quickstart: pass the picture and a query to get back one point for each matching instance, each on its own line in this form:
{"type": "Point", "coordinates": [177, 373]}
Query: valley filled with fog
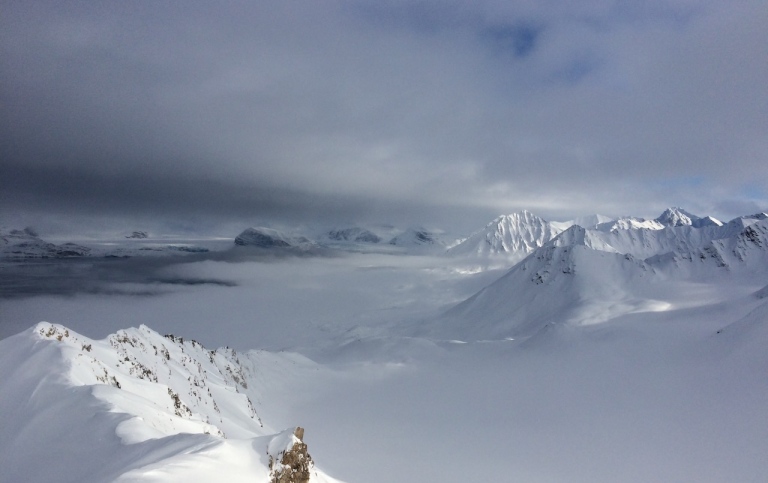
{"type": "Point", "coordinates": [384, 241]}
{"type": "Point", "coordinates": [566, 360]}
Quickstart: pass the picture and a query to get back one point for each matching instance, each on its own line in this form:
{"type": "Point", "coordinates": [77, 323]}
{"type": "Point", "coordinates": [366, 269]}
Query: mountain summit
{"type": "Point", "coordinates": [675, 216]}
{"type": "Point", "coordinates": [517, 234]}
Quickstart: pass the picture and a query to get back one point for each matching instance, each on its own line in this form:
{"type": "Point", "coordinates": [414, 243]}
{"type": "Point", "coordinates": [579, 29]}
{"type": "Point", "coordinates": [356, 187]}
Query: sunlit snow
{"type": "Point", "coordinates": [635, 355]}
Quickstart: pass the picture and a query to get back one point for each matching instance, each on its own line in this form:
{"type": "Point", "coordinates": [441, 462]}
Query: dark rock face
{"type": "Point", "coordinates": [295, 464]}
{"type": "Point", "coordinates": [138, 235]}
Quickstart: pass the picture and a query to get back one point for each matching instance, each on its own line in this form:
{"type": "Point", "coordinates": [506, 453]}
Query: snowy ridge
{"type": "Point", "coordinates": [166, 402]}
{"type": "Point", "coordinates": [728, 245]}
{"type": "Point", "coordinates": [584, 277]}
{"type": "Point", "coordinates": [517, 235]}
{"type": "Point", "coordinates": [630, 223]}
{"type": "Point", "coordinates": [589, 222]}
{"type": "Point", "coordinates": [732, 249]}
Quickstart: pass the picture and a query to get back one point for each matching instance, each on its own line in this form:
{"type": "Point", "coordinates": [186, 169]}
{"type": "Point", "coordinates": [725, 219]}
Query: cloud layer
{"type": "Point", "coordinates": [401, 111]}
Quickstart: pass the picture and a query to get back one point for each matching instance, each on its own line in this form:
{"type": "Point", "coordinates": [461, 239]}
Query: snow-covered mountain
{"type": "Point", "coordinates": [567, 280]}
{"type": "Point", "coordinates": [514, 235]}
{"type": "Point", "coordinates": [353, 234]}
{"type": "Point", "coordinates": [675, 216]}
{"type": "Point", "coordinates": [739, 246]}
{"type": "Point", "coordinates": [417, 237]}
{"type": "Point", "coordinates": [645, 336]}
{"type": "Point", "coordinates": [680, 239]}
{"type": "Point", "coordinates": [21, 244]}
{"type": "Point", "coordinates": [671, 217]}
{"type": "Point", "coordinates": [26, 244]}
{"type": "Point", "coordinates": [269, 238]}
{"type": "Point", "coordinates": [77, 409]}
{"type": "Point", "coordinates": [586, 276]}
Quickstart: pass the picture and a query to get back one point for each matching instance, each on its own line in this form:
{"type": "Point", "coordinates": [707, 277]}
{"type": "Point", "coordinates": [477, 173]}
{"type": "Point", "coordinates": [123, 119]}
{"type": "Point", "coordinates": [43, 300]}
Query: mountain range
{"type": "Point", "coordinates": [586, 276]}
{"type": "Point", "coordinates": [572, 300]}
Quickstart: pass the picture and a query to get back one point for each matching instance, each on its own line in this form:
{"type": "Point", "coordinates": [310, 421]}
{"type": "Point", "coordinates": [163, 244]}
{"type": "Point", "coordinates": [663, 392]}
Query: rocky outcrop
{"type": "Point", "coordinates": [289, 461]}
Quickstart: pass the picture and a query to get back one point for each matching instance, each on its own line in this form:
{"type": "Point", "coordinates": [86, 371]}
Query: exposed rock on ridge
{"type": "Point", "coordinates": [289, 461]}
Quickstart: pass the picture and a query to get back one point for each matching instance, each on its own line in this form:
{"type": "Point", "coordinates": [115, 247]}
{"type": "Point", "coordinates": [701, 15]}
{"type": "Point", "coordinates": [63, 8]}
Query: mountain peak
{"type": "Point", "coordinates": [523, 215]}
{"type": "Point", "coordinates": [515, 234]}
{"type": "Point", "coordinates": [675, 216]}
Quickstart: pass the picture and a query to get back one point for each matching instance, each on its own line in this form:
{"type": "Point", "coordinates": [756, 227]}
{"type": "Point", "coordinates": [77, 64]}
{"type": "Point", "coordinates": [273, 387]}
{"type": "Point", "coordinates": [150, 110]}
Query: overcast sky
{"type": "Point", "coordinates": [444, 113]}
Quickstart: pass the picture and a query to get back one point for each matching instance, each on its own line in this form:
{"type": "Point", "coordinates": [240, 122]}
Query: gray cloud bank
{"type": "Point", "coordinates": [390, 111]}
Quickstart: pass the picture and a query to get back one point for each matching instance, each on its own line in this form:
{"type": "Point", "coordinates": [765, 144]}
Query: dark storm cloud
{"type": "Point", "coordinates": [388, 110]}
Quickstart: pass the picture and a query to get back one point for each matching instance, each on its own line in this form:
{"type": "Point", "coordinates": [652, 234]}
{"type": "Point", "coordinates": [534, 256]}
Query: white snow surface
{"type": "Point", "coordinates": [136, 406]}
{"type": "Point", "coordinates": [633, 354]}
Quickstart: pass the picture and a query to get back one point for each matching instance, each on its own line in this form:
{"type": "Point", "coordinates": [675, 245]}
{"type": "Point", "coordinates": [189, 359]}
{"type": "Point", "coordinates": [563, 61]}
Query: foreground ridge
{"type": "Point", "coordinates": [133, 404]}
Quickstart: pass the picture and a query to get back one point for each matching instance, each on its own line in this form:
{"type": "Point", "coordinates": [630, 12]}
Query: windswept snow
{"type": "Point", "coordinates": [633, 352]}
{"type": "Point", "coordinates": [133, 407]}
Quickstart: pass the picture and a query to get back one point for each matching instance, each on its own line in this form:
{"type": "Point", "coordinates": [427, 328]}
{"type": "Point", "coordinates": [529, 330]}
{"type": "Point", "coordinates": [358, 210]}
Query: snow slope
{"type": "Point", "coordinates": [136, 406]}
{"type": "Point", "coordinates": [564, 282]}
{"type": "Point", "coordinates": [584, 277]}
